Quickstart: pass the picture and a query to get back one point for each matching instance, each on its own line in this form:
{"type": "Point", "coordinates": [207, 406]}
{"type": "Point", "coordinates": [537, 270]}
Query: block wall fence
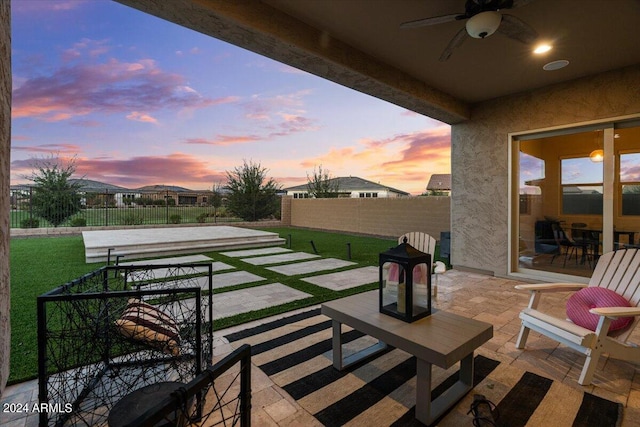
{"type": "Point", "coordinates": [387, 217]}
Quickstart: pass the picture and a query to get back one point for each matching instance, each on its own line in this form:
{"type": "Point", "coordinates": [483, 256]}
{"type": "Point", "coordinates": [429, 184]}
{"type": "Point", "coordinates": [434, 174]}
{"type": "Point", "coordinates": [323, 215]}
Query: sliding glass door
{"type": "Point", "coordinates": [578, 196]}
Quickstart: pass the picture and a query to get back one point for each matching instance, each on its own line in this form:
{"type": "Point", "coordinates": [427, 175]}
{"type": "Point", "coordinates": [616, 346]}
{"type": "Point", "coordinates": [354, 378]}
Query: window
{"type": "Point", "coordinates": [630, 183]}
{"type": "Point", "coordinates": [581, 183]}
{"type": "Point", "coordinates": [367, 195]}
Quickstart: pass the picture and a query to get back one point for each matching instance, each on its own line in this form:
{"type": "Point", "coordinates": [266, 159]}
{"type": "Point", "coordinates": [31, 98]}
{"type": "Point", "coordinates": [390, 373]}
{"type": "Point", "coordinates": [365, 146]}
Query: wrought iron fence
{"type": "Point", "coordinates": [226, 403]}
{"type": "Point", "coordinates": [108, 208]}
{"type": "Point", "coordinates": [118, 329]}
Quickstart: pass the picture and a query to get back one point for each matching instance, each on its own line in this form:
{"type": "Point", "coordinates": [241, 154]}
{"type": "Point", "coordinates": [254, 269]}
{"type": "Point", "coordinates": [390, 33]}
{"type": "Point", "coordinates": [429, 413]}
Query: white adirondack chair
{"type": "Point", "coordinates": [427, 244]}
{"type": "Point", "coordinates": [618, 271]}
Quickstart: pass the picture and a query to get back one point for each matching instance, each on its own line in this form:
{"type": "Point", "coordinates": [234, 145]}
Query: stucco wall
{"type": "Point", "coordinates": [390, 217]}
{"type": "Point", "coordinates": [479, 153]}
{"type": "Point", "coordinates": [5, 150]}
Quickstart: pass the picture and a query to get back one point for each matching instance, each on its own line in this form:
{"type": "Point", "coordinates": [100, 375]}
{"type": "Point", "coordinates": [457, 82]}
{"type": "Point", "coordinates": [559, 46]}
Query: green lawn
{"type": "Point", "coordinates": [41, 264]}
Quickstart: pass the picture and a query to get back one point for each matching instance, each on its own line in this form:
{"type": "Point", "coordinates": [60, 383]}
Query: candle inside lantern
{"type": "Point", "coordinates": [401, 298]}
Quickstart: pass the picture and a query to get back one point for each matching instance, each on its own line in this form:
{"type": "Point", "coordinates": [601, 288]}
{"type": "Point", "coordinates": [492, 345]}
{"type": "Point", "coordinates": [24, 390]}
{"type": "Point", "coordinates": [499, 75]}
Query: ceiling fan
{"type": "Point", "coordinates": [484, 17]}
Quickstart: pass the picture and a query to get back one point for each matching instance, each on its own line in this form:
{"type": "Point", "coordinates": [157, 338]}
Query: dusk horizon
{"type": "Point", "coordinates": [139, 101]}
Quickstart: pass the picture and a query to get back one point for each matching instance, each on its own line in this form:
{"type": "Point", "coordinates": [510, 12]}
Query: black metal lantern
{"type": "Point", "coordinates": [405, 283]}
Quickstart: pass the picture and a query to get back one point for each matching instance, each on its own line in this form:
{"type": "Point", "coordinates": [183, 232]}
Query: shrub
{"type": "Point", "coordinates": [175, 219]}
{"type": "Point", "coordinates": [132, 219]}
{"type": "Point", "coordinates": [202, 217]}
{"type": "Point", "coordinates": [30, 223]}
{"type": "Point", "coordinates": [78, 222]}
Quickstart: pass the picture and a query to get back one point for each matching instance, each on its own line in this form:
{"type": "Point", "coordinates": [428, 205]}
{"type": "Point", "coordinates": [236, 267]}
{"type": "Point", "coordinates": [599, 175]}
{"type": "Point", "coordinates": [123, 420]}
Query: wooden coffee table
{"type": "Point", "coordinates": [441, 339]}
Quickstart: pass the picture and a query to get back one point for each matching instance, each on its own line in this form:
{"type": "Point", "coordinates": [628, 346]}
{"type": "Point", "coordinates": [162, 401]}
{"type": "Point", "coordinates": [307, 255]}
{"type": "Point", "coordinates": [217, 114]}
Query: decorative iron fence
{"type": "Point", "coordinates": [107, 208]}
{"type": "Point", "coordinates": [227, 403]}
{"type": "Point", "coordinates": [118, 329]}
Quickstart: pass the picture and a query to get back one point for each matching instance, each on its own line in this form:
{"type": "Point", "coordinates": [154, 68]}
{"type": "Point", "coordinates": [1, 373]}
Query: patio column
{"type": "Point", "coordinates": [5, 152]}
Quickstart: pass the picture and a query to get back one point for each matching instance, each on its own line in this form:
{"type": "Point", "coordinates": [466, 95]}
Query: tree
{"type": "Point", "coordinates": [321, 185]}
{"type": "Point", "coordinates": [252, 196]}
{"type": "Point", "coordinates": [55, 199]}
{"type": "Point", "coordinates": [216, 200]}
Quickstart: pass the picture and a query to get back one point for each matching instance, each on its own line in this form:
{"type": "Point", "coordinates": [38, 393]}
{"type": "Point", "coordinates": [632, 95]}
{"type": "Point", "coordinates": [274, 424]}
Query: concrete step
{"type": "Point", "coordinates": [141, 243]}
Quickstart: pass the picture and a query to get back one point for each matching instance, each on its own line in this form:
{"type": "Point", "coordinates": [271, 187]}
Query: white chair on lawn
{"type": "Point", "coordinates": [427, 244]}
{"type": "Point", "coordinates": [617, 271]}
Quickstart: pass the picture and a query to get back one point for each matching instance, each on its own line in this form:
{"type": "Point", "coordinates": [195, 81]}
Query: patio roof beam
{"type": "Point", "coordinates": [265, 30]}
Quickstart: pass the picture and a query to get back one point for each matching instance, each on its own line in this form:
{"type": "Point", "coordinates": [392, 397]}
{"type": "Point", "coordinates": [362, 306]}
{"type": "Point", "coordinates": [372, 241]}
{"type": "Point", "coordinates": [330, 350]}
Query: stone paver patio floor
{"type": "Point", "coordinates": [255, 298]}
{"type": "Point", "coordinates": [345, 279]}
{"type": "Point", "coordinates": [485, 298]}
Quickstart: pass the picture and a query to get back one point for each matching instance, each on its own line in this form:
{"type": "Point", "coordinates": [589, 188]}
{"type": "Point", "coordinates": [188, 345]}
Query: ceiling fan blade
{"type": "Point", "coordinates": [455, 43]}
{"type": "Point", "coordinates": [431, 21]}
{"type": "Point", "coordinates": [517, 29]}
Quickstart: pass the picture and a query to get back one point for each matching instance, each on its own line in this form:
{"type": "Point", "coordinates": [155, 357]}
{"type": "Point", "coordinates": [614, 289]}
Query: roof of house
{"type": "Point", "coordinates": [157, 187]}
{"type": "Point", "coordinates": [353, 183]}
{"type": "Point", "coordinates": [91, 185]}
{"type": "Point", "coordinates": [439, 181]}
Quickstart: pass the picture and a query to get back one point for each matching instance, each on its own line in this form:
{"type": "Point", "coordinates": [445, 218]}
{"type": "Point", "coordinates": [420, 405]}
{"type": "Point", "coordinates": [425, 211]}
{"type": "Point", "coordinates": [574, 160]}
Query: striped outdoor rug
{"type": "Point", "coordinates": [295, 352]}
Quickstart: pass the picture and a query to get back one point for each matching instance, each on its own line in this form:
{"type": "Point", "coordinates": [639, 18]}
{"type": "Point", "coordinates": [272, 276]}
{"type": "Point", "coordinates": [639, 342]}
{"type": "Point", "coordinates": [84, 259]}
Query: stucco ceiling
{"type": "Point", "coordinates": [359, 43]}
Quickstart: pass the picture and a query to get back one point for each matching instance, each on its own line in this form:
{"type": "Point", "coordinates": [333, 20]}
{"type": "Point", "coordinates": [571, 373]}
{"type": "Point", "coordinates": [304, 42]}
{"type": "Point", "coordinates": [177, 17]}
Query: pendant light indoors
{"type": "Point", "coordinates": [597, 156]}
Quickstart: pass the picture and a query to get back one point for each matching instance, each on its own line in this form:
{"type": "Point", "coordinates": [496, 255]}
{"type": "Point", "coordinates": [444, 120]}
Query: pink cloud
{"type": "Point", "coordinates": [141, 117]}
{"type": "Point", "coordinates": [335, 158]}
{"type": "Point", "coordinates": [222, 140]}
{"type": "Point", "coordinates": [88, 47]}
{"type": "Point", "coordinates": [261, 108]}
{"type": "Point", "coordinates": [68, 149]}
{"type": "Point", "coordinates": [293, 123]}
{"type": "Point", "coordinates": [110, 87]}
{"type": "Point", "coordinates": [20, 138]}
{"type": "Point", "coordinates": [173, 169]}
{"type": "Point", "coordinates": [278, 123]}
{"type": "Point", "coordinates": [421, 148]}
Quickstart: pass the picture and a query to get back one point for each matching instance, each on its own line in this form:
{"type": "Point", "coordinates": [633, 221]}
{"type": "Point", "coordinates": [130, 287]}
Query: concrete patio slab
{"type": "Point", "coordinates": [187, 259]}
{"type": "Point", "coordinates": [233, 278]}
{"type": "Point", "coordinates": [255, 298]}
{"type": "Point", "coordinates": [164, 272]}
{"type": "Point", "coordinates": [253, 252]}
{"type": "Point", "coordinates": [222, 280]}
{"type": "Point", "coordinates": [151, 242]}
{"type": "Point", "coordinates": [276, 259]}
{"type": "Point", "coordinates": [310, 266]}
{"type": "Point", "coordinates": [345, 279]}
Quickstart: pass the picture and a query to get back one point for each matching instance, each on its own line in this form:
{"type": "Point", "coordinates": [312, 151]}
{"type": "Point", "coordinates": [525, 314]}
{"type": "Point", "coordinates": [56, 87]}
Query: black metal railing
{"type": "Point", "coordinates": [203, 402]}
{"type": "Point", "coordinates": [106, 208]}
{"type": "Point", "coordinates": [87, 359]}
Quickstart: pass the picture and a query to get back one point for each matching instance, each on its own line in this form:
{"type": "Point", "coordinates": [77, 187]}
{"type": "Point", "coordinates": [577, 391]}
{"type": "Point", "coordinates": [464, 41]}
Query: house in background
{"type": "Point", "coordinates": [98, 194]}
{"type": "Point", "coordinates": [181, 196]}
{"type": "Point", "coordinates": [351, 186]}
{"type": "Point", "coordinates": [439, 184]}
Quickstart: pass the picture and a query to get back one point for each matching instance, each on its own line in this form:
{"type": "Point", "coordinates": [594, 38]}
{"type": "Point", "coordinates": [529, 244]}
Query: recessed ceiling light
{"type": "Point", "coordinates": [542, 48]}
{"type": "Point", "coordinates": [555, 65]}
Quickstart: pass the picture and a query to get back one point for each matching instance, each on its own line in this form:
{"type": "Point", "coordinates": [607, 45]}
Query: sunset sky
{"type": "Point", "coordinates": [139, 101]}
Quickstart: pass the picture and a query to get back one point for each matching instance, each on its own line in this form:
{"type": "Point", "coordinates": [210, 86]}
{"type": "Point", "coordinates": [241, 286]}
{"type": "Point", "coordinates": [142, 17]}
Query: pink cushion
{"type": "Point", "coordinates": [581, 302]}
{"type": "Point", "coordinates": [419, 273]}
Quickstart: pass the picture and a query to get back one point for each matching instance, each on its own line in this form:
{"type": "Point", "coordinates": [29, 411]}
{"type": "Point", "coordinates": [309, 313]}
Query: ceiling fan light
{"type": "Point", "coordinates": [542, 48]}
{"type": "Point", "coordinates": [483, 24]}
